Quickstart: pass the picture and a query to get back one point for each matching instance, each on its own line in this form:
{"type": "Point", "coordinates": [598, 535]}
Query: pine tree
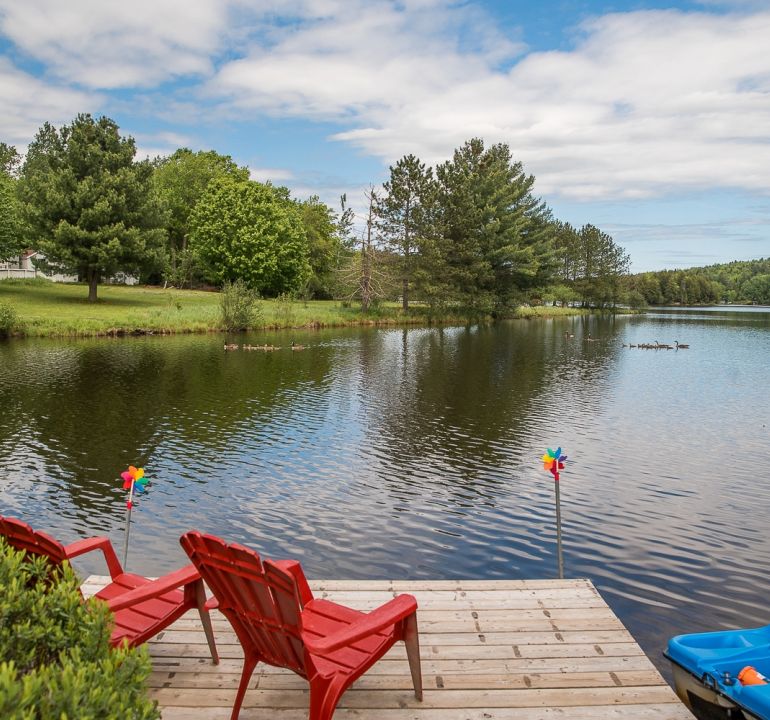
{"type": "Point", "coordinates": [89, 207]}
{"type": "Point", "coordinates": [403, 217]}
{"type": "Point", "coordinates": [495, 234]}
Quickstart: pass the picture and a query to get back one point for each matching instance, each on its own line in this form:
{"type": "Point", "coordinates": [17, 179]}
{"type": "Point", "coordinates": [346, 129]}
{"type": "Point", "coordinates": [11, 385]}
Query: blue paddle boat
{"type": "Point", "coordinates": [723, 675]}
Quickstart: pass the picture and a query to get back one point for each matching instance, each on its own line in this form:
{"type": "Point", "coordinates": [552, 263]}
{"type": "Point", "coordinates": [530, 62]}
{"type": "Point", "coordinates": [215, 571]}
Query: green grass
{"type": "Point", "coordinates": [51, 309]}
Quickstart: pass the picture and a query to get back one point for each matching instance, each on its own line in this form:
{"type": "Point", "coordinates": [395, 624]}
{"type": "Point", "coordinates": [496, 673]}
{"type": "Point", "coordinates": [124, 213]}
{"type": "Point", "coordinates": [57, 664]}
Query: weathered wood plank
{"type": "Point", "coordinates": [667, 711]}
{"type": "Point", "coordinates": [449, 652]}
{"type": "Point", "coordinates": [402, 681]}
{"type": "Point", "coordinates": [431, 666]}
{"type": "Point", "coordinates": [491, 650]}
{"type": "Point", "coordinates": [444, 698]}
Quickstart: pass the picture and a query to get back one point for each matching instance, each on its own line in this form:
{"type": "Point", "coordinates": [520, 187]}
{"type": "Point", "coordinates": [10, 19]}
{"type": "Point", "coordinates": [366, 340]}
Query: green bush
{"type": "Point", "coordinates": [8, 319]}
{"type": "Point", "coordinates": [284, 310]}
{"type": "Point", "coordinates": [55, 657]}
{"type": "Point", "coordinates": [240, 307]}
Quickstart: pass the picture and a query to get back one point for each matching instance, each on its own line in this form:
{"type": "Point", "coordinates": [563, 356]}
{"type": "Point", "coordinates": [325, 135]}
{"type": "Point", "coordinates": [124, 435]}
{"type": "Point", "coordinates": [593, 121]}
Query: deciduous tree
{"type": "Point", "coordinates": [11, 235]}
{"type": "Point", "coordinates": [180, 180]}
{"type": "Point", "coordinates": [11, 226]}
{"type": "Point", "coordinates": [325, 246]}
{"type": "Point", "coordinates": [248, 230]}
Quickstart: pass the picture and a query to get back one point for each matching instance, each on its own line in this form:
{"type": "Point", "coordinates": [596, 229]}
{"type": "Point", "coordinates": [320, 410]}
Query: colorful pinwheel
{"type": "Point", "coordinates": [133, 480]}
{"type": "Point", "coordinates": [553, 460]}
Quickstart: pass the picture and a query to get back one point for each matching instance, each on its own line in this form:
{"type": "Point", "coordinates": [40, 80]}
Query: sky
{"type": "Point", "coordinates": [647, 118]}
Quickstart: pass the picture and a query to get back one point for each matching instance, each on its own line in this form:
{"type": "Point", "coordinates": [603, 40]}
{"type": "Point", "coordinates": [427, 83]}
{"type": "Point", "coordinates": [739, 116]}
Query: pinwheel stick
{"type": "Point", "coordinates": [558, 529]}
{"type": "Point", "coordinates": [553, 461]}
{"type": "Point", "coordinates": [129, 505]}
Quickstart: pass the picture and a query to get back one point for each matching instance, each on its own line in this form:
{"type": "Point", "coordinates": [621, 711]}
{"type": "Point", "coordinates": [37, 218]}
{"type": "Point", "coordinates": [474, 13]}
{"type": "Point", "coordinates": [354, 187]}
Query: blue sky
{"type": "Point", "coordinates": [647, 118]}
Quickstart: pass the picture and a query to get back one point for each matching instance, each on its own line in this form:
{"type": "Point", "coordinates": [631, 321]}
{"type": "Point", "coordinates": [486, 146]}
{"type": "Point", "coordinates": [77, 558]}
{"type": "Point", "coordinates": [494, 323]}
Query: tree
{"type": "Point", "coordinates": [325, 245]}
{"type": "Point", "coordinates": [495, 234]}
{"type": "Point", "coordinates": [757, 289]}
{"type": "Point", "coordinates": [725, 282]}
{"type": "Point", "coordinates": [404, 215]}
{"type": "Point", "coordinates": [591, 262]}
{"type": "Point", "coordinates": [180, 180]}
{"type": "Point", "coordinates": [90, 208]}
{"type": "Point", "coordinates": [362, 275]}
{"type": "Point", "coordinates": [9, 159]}
{"type": "Point", "coordinates": [248, 230]}
{"type": "Point", "coordinates": [11, 226]}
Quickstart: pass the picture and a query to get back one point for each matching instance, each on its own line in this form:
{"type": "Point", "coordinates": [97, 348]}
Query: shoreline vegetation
{"type": "Point", "coordinates": [48, 309]}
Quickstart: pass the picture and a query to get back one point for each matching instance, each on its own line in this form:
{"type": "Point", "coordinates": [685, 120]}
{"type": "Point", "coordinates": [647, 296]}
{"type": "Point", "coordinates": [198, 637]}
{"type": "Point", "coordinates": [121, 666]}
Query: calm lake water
{"type": "Point", "coordinates": [416, 454]}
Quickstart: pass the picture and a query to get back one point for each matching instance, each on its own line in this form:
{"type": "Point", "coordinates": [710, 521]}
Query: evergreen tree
{"type": "Point", "coordinates": [89, 207]}
{"type": "Point", "coordinates": [403, 218]}
{"type": "Point", "coordinates": [9, 159]}
{"type": "Point", "coordinates": [495, 234]}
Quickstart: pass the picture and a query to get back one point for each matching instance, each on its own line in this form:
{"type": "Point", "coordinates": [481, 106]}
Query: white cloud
{"type": "Point", "coordinates": [273, 175]}
{"type": "Point", "coordinates": [29, 102]}
{"type": "Point", "coordinates": [645, 103]}
{"type": "Point", "coordinates": [368, 56]}
{"type": "Point", "coordinates": [110, 45]}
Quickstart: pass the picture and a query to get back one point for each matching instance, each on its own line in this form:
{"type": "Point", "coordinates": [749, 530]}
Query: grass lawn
{"type": "Point", "coordinates": [51, 309]}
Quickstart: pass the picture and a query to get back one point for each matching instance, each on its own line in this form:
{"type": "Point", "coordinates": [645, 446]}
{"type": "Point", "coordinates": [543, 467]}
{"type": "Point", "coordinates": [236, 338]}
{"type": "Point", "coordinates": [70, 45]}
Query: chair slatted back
{"type": "Point", "coordinates": [260, 600]}
{"type": "Point", "coordinates": [34, 543]}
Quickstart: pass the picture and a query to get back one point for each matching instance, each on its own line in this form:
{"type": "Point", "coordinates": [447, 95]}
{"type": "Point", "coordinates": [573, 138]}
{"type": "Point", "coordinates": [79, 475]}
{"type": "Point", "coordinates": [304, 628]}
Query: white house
{"type": "Point", "coordinates": [24, 267]}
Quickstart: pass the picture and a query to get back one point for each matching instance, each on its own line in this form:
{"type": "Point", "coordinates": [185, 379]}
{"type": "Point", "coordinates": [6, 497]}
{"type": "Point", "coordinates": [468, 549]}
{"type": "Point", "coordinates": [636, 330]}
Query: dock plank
{"type": "Point", "coordinates": [491, 650]}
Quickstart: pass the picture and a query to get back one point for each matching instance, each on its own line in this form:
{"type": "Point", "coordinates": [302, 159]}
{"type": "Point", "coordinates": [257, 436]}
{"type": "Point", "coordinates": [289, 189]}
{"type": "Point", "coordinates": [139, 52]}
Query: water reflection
{"type": "Point", "coordinates": [415, 453]}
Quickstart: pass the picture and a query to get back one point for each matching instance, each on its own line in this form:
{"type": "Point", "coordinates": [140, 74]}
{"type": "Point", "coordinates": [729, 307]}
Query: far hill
{"type": "Point", "coordinates": [740, 281]}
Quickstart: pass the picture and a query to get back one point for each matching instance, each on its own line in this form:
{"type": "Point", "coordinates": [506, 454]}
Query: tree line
{"type": "Point", "coordinates": [740, 281]}
{"type": "Point", "coordinates": [469, 234]}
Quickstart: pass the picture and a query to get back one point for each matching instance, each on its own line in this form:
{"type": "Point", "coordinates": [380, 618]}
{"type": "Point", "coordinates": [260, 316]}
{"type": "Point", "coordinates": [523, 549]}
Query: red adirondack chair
{"type": "Point", "coordinates": [142, 607]}
{"type": "Point", "coordinates": [279, 622]}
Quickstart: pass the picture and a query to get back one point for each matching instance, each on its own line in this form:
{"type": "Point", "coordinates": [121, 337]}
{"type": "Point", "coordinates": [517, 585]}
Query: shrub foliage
{"type": "Point", "coordinates": [55, 654]}
{"type": "Point", "coordinates": [8, 319]}
{"type": "Point", "coordinates": [240, 307]}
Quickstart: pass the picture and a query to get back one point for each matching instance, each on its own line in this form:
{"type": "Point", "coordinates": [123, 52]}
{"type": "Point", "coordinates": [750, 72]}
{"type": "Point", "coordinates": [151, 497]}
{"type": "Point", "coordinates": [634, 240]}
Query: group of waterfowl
{"type": "Point", "coordinates": [263, 348]}
{"type": "Point", "coordinates": [659, 346]}
{"type": "Point", "coordinates": [644, 346]}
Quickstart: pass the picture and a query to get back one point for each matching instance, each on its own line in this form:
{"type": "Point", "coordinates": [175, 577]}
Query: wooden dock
{"type": "Point", "coordinates": [491, 650]}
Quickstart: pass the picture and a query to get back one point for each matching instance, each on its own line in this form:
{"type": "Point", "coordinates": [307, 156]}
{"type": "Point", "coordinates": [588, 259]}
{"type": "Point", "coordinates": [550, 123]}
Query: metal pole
{"type": "Point", "coordinates": [558, 528]}
{"type": "Point", "coordinates": [125, 546]}
{"type": "Point", "coordinates": [129, 505]}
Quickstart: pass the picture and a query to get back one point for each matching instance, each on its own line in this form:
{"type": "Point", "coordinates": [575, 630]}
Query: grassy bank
{"type": "Point", "coordinates": [47, 309]}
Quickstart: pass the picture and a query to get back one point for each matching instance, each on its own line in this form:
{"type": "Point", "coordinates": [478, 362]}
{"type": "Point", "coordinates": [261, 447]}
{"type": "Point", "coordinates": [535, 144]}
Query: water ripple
{"type": "Point", "coordinates": [415, 453]}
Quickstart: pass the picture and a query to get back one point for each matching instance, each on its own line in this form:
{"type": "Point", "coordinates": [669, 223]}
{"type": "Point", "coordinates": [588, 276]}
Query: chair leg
{"type": "Point", "coordinates": [412, 642]}
{"type": "Point", "coordinates": [324, 697]}
{"type": "Point", "coordinates": [249, 663]}
{"type": "Point", "coordinates": [200, 599]}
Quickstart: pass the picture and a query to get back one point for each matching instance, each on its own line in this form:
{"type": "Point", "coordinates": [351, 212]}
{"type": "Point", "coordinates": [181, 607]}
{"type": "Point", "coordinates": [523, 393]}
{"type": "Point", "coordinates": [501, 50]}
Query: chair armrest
{"type": "Point", "coordinates": [295, 570]}
{"type": "Point", "coordinates": [80, 547]}
{"type": "Point", "coordinates": [384, 616]}
{"type": "Point", "coordinates": [154, 588]}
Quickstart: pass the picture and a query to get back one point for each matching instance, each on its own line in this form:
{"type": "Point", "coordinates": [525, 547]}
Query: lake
{"type": "Point", "coordinates": [415, 453]}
